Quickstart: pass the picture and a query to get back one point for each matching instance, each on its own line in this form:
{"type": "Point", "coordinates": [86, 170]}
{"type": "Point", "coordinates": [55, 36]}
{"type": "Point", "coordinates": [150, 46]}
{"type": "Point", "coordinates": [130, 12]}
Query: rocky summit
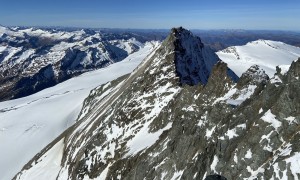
{"type": "Point", "coordinates": [193, 61]}
{"type": "Point", "coordinates": [182, 114]}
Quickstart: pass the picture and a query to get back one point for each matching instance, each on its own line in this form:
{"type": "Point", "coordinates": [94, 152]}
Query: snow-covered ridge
{"type": "Point", "coordinates": [265, 53]}
{"type": "Point", "coordinates": [65, 40]}
{"type": "Point", "coordinates": [58, 35]}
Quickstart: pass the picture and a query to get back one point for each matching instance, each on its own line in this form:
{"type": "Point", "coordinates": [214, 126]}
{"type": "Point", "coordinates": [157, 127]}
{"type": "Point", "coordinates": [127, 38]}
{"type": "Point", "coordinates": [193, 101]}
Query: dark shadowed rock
{"type": "Point", "coordinates": [215, 177]}
{"type": "Point", "coordinates": [193, 60]}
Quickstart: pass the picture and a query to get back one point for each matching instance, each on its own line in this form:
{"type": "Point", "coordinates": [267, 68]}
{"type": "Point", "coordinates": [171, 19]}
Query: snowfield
{"type": "Point", "coordinates": [28, 124]}
{"type": "Point", "coordinates": [265, 53]}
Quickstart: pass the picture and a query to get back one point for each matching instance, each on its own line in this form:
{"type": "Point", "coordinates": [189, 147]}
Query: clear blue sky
{"type": "Point", "coordinates": [192, 14]}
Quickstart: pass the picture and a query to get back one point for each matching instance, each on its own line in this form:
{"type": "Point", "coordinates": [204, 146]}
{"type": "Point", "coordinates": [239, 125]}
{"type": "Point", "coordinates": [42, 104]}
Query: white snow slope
{"type": "Point", "coordinates": [265, 53]}
{"type": "Point", "coordinates": [28, 124]}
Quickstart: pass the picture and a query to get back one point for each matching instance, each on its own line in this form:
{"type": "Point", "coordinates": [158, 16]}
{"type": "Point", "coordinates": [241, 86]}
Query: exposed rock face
{"type": "Point", "coordinates": [153, 125]}
{"type": "Point", "coordinates": [193, 60]}
{"type": "Point", "coordinates": [215, 177]}
{"type": "Point", "coordinates": [254, 75]}
{"type": "Point", "coordinates": [139, 109]}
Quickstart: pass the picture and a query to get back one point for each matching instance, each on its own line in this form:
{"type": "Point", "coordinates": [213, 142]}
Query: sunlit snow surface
{"type": "Point", "coordinates": [265, 53]}
{"type": "Point", "coordinates": [50, 161]}
{"type": "Point", "coordinates": [28, 124]}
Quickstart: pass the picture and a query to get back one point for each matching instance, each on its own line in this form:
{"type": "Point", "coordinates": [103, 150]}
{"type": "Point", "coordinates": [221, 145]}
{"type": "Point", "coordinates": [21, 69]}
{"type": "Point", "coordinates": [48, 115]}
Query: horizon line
{"type": "Point", "coordinates": [136, 28]}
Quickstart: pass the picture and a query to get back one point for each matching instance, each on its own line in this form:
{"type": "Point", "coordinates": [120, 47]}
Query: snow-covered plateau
{"type": "Point", "coordinates": [265, 53]}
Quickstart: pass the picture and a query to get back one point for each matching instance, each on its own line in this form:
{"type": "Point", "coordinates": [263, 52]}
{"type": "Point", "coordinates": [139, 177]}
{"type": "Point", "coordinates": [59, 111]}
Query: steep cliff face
{"type": "Point", "coordinates": [164, 121]}
{"type": "Point", "coordinates": [193, 60]}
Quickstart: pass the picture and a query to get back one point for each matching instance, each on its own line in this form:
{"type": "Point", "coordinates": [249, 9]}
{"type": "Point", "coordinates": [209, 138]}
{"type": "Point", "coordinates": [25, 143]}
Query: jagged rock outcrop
{"type": "Point", "coordinates": [193, 60]}
{"type": "Point", "coordinates": [253, 76]}
{"type": "Point", "coordinates": [162, 122]}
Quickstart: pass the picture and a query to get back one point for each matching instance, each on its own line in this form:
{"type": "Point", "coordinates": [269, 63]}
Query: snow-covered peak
{"type": "Point", "coordinates": [3, 30]}
{"type": "Point", "coordinates": [131, 45]}
{"type": "Point", "coordinates": [42, 33]}
{"type": "Point", "coordinates": [260, 41]}
{"type": "Point", "coordinates": [180, 31]}
{"type": "Point", "coordinates": [265, 53]}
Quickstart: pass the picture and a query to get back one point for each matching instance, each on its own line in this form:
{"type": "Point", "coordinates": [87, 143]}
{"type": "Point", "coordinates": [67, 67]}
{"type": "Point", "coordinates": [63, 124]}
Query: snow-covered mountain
{"type": "Point", "coordinates": [181, 114]}
{"type": "Point", "coordinates": [28, 124]}
{"type": "Point", "coordinates": [152, 125]}
{"type": "Point", "coordinates": [264, 53]}
{"type": "Point", "coordinates": [33, 59]}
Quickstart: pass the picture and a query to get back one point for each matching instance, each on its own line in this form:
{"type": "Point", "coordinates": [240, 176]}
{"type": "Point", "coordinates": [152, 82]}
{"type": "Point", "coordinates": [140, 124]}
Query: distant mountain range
{"type": "Point", "coordinates": [34, 59]}
{"type": "Point", "coordinates": [221, 39]}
